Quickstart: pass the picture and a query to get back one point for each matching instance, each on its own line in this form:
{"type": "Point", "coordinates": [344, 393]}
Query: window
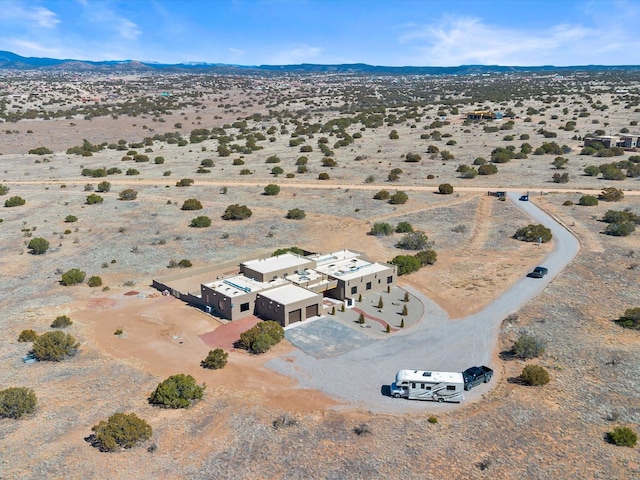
{"type": "Point", "coordinates": [390, 279]}
{"type": "Point", "coordinates": [354, 290]}
{"type": "Point", "coordinates": [220, 304]}
{"type": "Point", "coordinates": [368, 287]}
{"type": "Point", "coordinates": [413, 385]}
{"type": "Point", "coordinates": [451, 387]}
{"type": "Point", "coordinates": [244, 307]}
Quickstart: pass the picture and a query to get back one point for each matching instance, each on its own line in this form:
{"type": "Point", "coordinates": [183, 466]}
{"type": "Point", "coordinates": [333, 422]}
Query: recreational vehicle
{"type": "Point", "coordinates": [423, 385]}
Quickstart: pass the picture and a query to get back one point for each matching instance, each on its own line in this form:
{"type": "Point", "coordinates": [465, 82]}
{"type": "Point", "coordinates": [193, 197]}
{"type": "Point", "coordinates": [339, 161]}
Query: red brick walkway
{"type": "Point", "coordinates": [375, 319]}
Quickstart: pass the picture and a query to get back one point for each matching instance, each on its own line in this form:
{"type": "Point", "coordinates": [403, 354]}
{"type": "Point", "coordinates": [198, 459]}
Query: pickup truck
{"type": "Point", "coordinates": [475, 376]}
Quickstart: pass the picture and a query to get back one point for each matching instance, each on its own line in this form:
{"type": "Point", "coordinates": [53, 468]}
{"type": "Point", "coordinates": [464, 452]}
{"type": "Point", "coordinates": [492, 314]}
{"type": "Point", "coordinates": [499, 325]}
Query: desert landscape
{"type": "Point", "coordinates": [331, 143]}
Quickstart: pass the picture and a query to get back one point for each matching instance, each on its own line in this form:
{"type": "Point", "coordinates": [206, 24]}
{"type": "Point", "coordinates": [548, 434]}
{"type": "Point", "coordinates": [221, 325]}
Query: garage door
{"type": "Point", "coordinates": [295, 316]}
{"type": "Point", "coordinates": [312, 311]}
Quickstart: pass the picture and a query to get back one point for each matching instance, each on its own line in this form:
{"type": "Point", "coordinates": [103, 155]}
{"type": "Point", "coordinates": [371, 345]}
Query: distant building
{"type": "Point", "coordinates": [290, 288]}
{"type": "Point", "coordinates": [484, 115]}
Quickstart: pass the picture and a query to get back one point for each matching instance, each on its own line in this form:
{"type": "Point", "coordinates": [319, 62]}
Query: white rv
{"type": "Point", "coordinates": [423, 385]}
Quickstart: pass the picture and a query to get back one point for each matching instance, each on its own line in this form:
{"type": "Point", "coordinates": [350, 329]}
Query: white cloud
{"type": "Point", "coordinates": [38, 16]}
{"type": "Point", "coordinates": [296, 54]}
{"type": "Point", "coordinates": [106, 18]}
{"type": "Point", "coordinates": [463, 41]}
{"type": "Point", "coordinates": [127, 29]}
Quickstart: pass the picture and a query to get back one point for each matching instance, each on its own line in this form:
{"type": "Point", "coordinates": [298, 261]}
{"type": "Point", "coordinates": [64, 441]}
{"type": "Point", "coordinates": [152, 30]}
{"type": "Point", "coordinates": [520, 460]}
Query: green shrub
{"type": "Point", "coordinates": [158, 160]}
{"type": "Point", "coordinates": [412, 158]}
{"type": "Point", "coordinates": [38, 246]}
{"type": "Point", "coordinates": [104, 186]}
{"type": "Point", "coordinates": [381, 229]}
{"type": "Point", "coordinates": [207, 162]}
{"type": "Point", "coordinates": [382, 195]}
{"type": "Point", "coordinates": [533, 233]}
{"type": "Point", "coordinates": [27, 335]}
{"type": "Point", "coordinates": [121, 430]}
{"type": "Point", "coordinates": [282, 251]}
{"type": "Point", "coordinates": [191, 204]}
{"type": "Point", "coordinates": [237, 212]}
{"type": "Point", "coordinates": [296, 214]}
{"type": "Point", "coordinates": [404, 227]}
{"type": "Point", "coordinates": [273, 159]}
{"type": "Point", "coordinates": [445, 189]}
{"type": "Point", "coordinates": [432, 419]}
{"type": "Point", "coordinates": [527, 346]}
{"type": "Point", "coordinates": [535, 375]}
{"type": "Point", "coordinates": [592, 171]}
{"type": "Point", "coordinates": [567, 203]}
{"type": "Point", "coordinates": [93, 199]}
{"type": "Point", "coordinates": [588, 201]}
{"type": "Point", "coordinates": [61, 321]}
{"type": "Point", "coordinates": [427, 257]}
{"type": "Point", "coordinates": [16, 402]}
{"type": "Point", "coordinates": [132, 171]}
{"type": "Point", "coordinates": [262, 336]}
{"type": "Point", "coordinates": [623, 437]}
{"type": "Point", "coordinates": [40, 151]}
{"type": "Point", "coordinates": [185, 263]}
{"type": "Point", "coordinates": [487, 169]}
{"type": "Point", "coordinates": [246, 171]}
{"type": "Point", "coordinates": [271, 189]}
{"type": "Point", "coordinates": [72, 277]}
{"type": "Point", "coordinates": [14, 202]}
{"type": "Point", "coordinates": [216, 359]}
{"type": "Point", "coordinates": [620, 229]}
{"type": "Point", "coordinates": [398, 198]}
{"type": "Point", "coordinates": [417, 240]}
{"type": "Point", "coordinates": [177, 391]}
{"type": "Point", "coordinates": [617, 216]}
{"type": "Point", "coordinates": [630, 319]}
{"type": "Point", "coordinates": [277, 171]}
{"type": "Point", "coordinates": [323, 176]}
{"type": "Point", "coordinates": [70, 219]}
{"type": "Point", "coordinates": [185, 182]}
{"type": "Point", "coordinates": [128, 194]}
{"type": "Point", "coordinates": [201, 221]}
{"type": "Point", "coordinates": [4, 189]}
{"type": "Point", "coordinates": [95, 281]}
{"type": "Point", "coordinates": [406, 264]}
{"type": "Point", "coordinates": [611, 194]}
{"type": "Point", "coordinates": [54, 346]}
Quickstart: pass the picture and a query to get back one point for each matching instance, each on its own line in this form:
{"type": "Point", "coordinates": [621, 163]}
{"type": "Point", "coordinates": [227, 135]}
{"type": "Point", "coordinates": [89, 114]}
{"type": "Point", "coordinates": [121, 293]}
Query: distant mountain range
{"type": "Point", "coordinates": [9, 60]}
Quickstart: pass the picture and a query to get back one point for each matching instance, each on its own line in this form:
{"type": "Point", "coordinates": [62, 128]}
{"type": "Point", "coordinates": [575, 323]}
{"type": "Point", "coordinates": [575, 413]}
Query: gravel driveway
{"type": "Point", "coordinates": [360, 376]}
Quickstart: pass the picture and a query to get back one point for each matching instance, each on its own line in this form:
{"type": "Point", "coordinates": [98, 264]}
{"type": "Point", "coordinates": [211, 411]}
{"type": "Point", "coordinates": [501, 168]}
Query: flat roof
{"type": "Point", "coordinates": [289, 293]}
{"type": "Point", "coordinates": [279, 262]}
{"type": "Point", "coordinates": [428, 376]}
{"type": "Point", "coordinates": [241, 285]}
{"type": "Point", "coordinates": [347, 265]}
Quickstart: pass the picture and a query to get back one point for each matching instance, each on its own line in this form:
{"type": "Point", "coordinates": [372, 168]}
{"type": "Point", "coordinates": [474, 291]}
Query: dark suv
{"type": "Point", "coordinates": [538, 272]}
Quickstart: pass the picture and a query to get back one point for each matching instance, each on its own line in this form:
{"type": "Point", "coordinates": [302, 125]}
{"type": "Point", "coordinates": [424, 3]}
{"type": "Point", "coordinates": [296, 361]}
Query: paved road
{"type": "Point", "coordinates": [360, 377]}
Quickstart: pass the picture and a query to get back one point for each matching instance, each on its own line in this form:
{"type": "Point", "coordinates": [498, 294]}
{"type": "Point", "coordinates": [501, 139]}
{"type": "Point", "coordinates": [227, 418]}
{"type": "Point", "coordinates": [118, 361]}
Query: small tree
{"type": "Point", "coordinates": [588, 201]}
{"type": "Point", "coordinates": [4, 189]}
{"type": "Point", "coordinates": [191, 204]}
{"type": "Point", "coordinates": [104, 186]}
{"type": "Point", "coordinates": [592, 171]}
{"type": "Point", "coordinates": [381, 229]}
{"type": "Point", "coordinates": [95, 281]}
{"type": "Point", "coordinates": [296, 214]}
{"type": "Point", "coordinates": [382, 195]}
{"type": "Point", "coordinates": [611, 194]}
{"type": "Point", "coordinates": [275, 171]}
{"type": "Point", "coordinates": [445, 189]}
{"type": "Point", "coordinates": [201, 222]}
{"type": "Point", "coordinates": [72, 277]}
{"type": "Point", "coordinates": [402, 323]}
{"type": "Point", "coordinates": [271, 189]}
{"type": "Point", "coordinates": [121, 430]}
{"type": "Point", "coordinates": [177, 391]}
{"type": "Point", "coordinates": [14, 202]}
{"type": "Point", "coordinates": [406, 298]}
{"type": "Point", "coordinates": [61, 321]}
{"type": "Point", "coordinates": [398, 198]}
{"type": "Point", "coordinates": [535, 375]}
{"type": "Point", "coordinates": [630, 319]}
{"type": "Point", "coordinates": [262, 336]}
{"type": "Point", "coordinates": [620, 229]}
{"type": "Point", "coordinates": [27, 335]}
{"type": "Point", "coordinates": [623, 437]}
{"type": "Point", "coordinates": [16, 402]}
{"type": "Point", "coordinates": [185, 182]}
{"type": "Point", "coordinates": [216, 359]}
{"type": "Point", "coordinates": [380, 303]}
{"type": "Point", "coordinates": [54, 346]}
{"type": "Point", "coordinates": [38, 246]}
{"type": "Point", "coordinates": [388, 329]}
{"type": "Point", "coordinates": [323, 176]}
{"type": "Point", "coordinates": [237, 212]}
{"type": "Point", "coordinates": [417, 240]}
{"type": "Point", "coordinates": [70, 219]}
{"type": "Point", "coordinates": [533, 233]}
{"type": "Point", "coordinates": [128, 194]}
{"type": "Point", "coordinates": [361, 319]}
{"type": "Point", "coordinates": [404, 227]}
{"type": "Point", "coordinates": [527, 346]}
{"type": "Point", "coordinates": [405, 310]}
{"type": "Point", "coordinates": [92, 199]}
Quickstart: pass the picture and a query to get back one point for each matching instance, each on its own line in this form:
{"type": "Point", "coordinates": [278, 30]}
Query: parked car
{"type": "Point", "coordinates": [474, 376]}
{"type": "Point", "coordinates": [524, 198]}
{"type": "Point", "coordinates": [538, 272]}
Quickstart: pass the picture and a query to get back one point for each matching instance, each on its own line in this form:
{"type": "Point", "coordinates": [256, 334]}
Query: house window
{"type": "Point", "coordinates": [244, 307]}
{"type": "Point", "coordinates": [413, 385]}
{"type": "Point", "coordinates": [354, 290]}
{"type": "Point", "coordinates": [368, 285]}
{"type": "Point", "coordinates": [390, 279]}
{"type": "Point", "coordinates": [451, 387]}
{"type": "Point", "coordinates": [220, 304]}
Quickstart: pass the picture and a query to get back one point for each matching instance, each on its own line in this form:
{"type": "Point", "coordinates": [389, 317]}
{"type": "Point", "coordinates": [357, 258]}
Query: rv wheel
{"type": "Point", "coordinates": [440, 400]}
{"type": "Point", "coordinates": [396, 395]}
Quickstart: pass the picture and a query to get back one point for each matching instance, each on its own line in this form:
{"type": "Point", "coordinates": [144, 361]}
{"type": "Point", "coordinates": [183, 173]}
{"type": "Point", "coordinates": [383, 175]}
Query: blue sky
{"type": "Point", "coordinates": [278, 32]}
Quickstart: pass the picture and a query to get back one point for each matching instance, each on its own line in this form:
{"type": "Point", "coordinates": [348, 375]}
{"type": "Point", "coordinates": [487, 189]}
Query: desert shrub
{"type": "Point", "coordinates": [4, 189]}
{"type": "Point", "coordinates": [121, 430]}
{"type": "Point", "coordinates": [560, 163]}
{"type": "Point", "coordinates": [406, 264]}
{"type": "Point", "coordinates": [28, 335]}
{"type": "Point", "coordinates": [128, 194]}
{"type": "Point", "coordinates": [417, 240]}
{"type": "Point", "coordinates": [215, 360]}
{"type": "Point", "coordinates": [533, 233]}
{"type": "Point", "coordinates": [329, 162]}
{"type": "Point", "coordinates": [40, 151]}
{"type": "Point", "coordinates": [177, 391]}
{"type": "Point", "coordinates": [432, 419]}
{"type": "Point", "coordinates": [426, 257]}
{"type": "Point", "coordinates": [398, 198]}
{"type": "Point", "coordinates": [95, 173]}
{"type": "Point", "coordinates": [207, 162]}
{"type": "Point", "coordinates": [95, 281]}
{"type": "Point", "coordinates": [70, 219]}
{"type": "Point", "coordinates": [611, 194]}
{"type": "Point", "coordinates": [445, 189]}
{"type": "Point", "coordinates": [567, 203]}
{"type": "Point", "coordinates": [201, 222]}
{"type": "Point", "coordinates": [54, 346]}
{"type": "Point", "coordinates": [271, 189]}
{"type": "Point", "coordinates": [104, 186]}
{"type": "Point", "coordinates": [38, 246]}
{"type": "Point", "coordinates": [381, 229]}
{"type": "Point", "coordinates": [560, 177]}
{"type": "Point", "coordinates": [535, 375]}
{"type": "Point", "coordinates": [323, 176]}
{"type": "Point", "coordinates": [284, 420]}
{"type": "Point", "coordinates": [237, 212]}
{"type": "Point", "coordinates": [620, 229]}
{"type": "Point", "coordinates": [592, 171]}
{"type": "Point", "coordinates": [158, 160]}
{"type": "Point", "coordinates": [623, 437]}
{"type": "Point", "coordinates": [14, 202]}
{"type": "Point", "coordinates": [132, 171]}
{"type": "Point", "coordinates": [479, 161]}
{"type": "Point", "coordinates": [610, 172]}
{"type": "Point", "coordinates": [306, 149]}
{"type": "Point", "coordinates": [382, 195]}
{"type": "Point", "coordinates": [191, 204]}
{"type": "Point", "coordinates": [93, 199]}
{"type": "Point", "coordinates": [16, 402]}
{"type": "Point", "coordinates": [487, 169]}
{"type": "Point", "coordinates": [630, 319]}
{"type": "Point", "coordinates": [273, 159]}
{"type": "Point", "coordinates": [296, 214]}
{"type": "Point", "coordinates": [61, 321]}
{"type": "Point", "coordinates": [238, 161]}
{"type": "Point", "coordinates": [412, 157]}
{"type": "Point", "coordinates": [185, 263]}
{"type": "Point", "coordinates": [72, 277]}
{"type": "Point", "coordinates": [588, 201]}
{"type": "Point", "coordinates": [184, 182]}
{"type": "Point", "coordinates": [527, 346]}
{"type": "Point", "coordinates": [262, 336]}
{"type": "Point", "coordinates": [277, 171]}
{"type": "Point", "coordinates": [404, 227]}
